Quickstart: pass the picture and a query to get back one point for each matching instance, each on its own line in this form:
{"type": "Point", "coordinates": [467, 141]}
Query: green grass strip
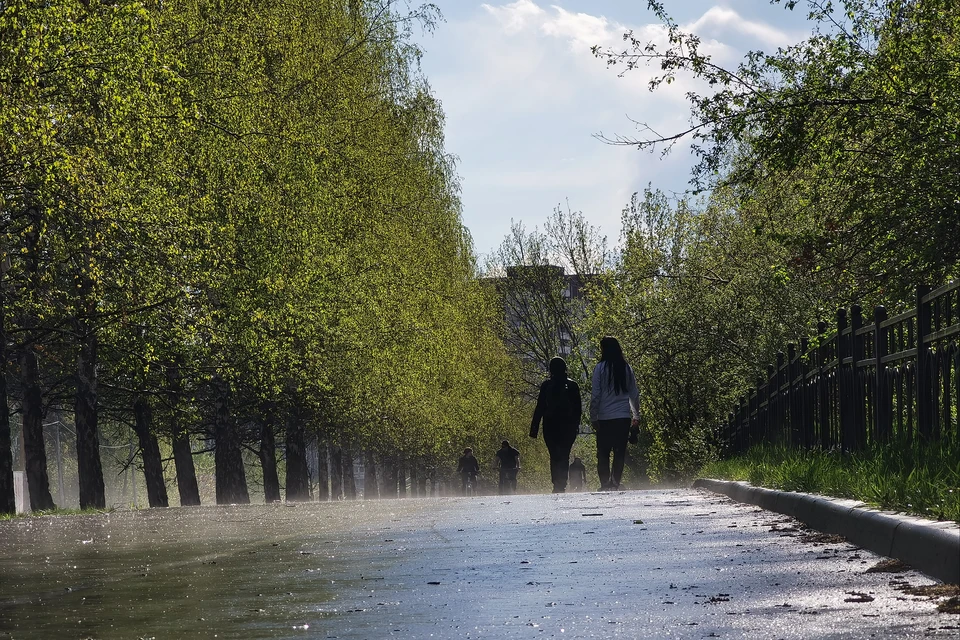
{"type": "Point", "coordinates": [920, 479]}
{"type": "Point", "coordinates": [54, 512]}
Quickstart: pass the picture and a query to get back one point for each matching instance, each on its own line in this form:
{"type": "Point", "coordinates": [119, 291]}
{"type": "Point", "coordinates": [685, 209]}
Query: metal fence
{"type": "Point", "coordinates": [857, 384]}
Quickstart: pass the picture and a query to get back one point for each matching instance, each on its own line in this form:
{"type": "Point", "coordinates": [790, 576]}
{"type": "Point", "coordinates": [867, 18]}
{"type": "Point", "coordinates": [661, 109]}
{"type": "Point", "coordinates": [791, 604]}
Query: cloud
{"type": "Point", "coordinates": [524, 96]}
{"type": "Point", "coordinates": [516, 16]}
{"type": "Point", "coordinates": [581, 30]}
{"type": "Point", "coordinates": [722, 23]}
{"type": "Point", "coordinates": [547, 52]}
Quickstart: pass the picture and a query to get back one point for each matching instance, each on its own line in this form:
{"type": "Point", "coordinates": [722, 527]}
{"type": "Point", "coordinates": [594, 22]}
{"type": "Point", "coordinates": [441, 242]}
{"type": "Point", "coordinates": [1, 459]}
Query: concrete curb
{"type": "Point", "coordinates": [926, 545]}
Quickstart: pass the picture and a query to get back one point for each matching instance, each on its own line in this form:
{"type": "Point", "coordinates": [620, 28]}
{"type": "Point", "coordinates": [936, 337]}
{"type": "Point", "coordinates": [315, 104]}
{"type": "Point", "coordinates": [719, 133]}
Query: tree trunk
{"type": "Point", "coordinates": [58, 449]}
{"type": "Point", "coordinates": [422, 483]}
{"type": "Point", "coordinates": [231, 480]}
{"type": "Point", "coordinates": [390, 487]}
{"type": "Point", "coordinates": [349, 480]}
{"type": "Point", "coordinates": [414, 482]}
{"type": "Point", "coordinates": [89, 468]}
{"type": "Point", "coordinates": [336, 473]}
{"type": "Point", "coordinates": [370, 489]}
{"type": "Point", "coordinates": [323, 471]}
{"type": "Point", "coordinates": [298, 480]}
{"type": "Point", "coordinates": [268, 454]}
{"type": "Point", "coordinates": [149, 453]}
{"type": "Point", "coordinates": [182, 453]}
{"type": "Point", "coordinates": [401, 481]}
{"type": "Point", "coordinates": [35, 455]}
{"type": "Point", "coordinates": [7, 501]}
{"type": "Point", "coordinates": [187, 485]}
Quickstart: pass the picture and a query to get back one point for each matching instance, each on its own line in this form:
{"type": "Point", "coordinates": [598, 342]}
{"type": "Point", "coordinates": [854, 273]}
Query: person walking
{"type": "Point", "coordinates": [614, 411]}
{"type": "Point", "coordinates": [508, 460]}
{"type": "Point", "coordinates": [468, 468]}
{"type": "Point", "coordinates": [578, 475]}
{"type": "Point", "coordinates": [559, 406]}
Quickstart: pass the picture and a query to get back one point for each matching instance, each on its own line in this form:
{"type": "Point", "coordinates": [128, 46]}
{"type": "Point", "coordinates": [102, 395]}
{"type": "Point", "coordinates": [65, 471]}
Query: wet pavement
{"type": "Point", "coordinates": [637, 564]}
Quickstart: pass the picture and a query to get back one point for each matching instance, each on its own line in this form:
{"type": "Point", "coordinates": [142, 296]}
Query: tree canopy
{"type": "Point", "coordinates": [848, 139]}
{"type": "Point", "coordinates": [217, 215]}
{"type": "Point", "coordinates": [826, 175]}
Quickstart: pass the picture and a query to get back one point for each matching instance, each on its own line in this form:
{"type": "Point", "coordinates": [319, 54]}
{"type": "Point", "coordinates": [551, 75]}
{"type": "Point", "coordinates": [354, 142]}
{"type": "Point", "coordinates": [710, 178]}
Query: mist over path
{"type": "Point", "coordinates": [640, 564]}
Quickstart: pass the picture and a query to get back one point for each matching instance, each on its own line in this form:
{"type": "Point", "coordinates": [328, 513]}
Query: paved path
{"type": "Point", "coordinates": [642, 564]}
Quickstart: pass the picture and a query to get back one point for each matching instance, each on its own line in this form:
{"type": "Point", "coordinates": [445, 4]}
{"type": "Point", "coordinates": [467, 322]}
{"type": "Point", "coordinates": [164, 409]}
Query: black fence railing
{"type": "Point", "coordinates": [896, 378]}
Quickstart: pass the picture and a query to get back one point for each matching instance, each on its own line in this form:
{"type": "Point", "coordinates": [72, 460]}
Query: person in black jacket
{"type": "Point", "coordinates": [468, 468]}
{"type": "Point", "coordinates": [508, 460]}
{"type": "Point", "coordinates": [560, 407]}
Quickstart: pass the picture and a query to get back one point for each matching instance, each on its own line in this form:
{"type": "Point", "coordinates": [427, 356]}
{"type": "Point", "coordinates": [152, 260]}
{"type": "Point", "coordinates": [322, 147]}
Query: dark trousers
{"type": "Point", "coordinates": [470, 476]}
{"type": "Point", "coordinates": [559, 449]}
{"type": "Point", "coordinates": [611, 437]}
{"type": "Point", "coordinates": [508, 481]}
{"type": "Point", "coordinates": [576, 481]}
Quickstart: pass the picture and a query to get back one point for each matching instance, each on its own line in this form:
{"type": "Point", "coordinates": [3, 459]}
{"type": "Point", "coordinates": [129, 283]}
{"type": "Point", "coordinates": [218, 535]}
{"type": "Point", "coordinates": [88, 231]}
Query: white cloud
{"type": "Point", "coordinates": [516, 16]}
{"type": "Point", "coordinates": [581, 30]}
{"type": "Point", "coordinates": [524, 96]}
{"type": "Point", "coordinates": [722, 23]}
{"type": "Point", "coordinates": [537, 54]}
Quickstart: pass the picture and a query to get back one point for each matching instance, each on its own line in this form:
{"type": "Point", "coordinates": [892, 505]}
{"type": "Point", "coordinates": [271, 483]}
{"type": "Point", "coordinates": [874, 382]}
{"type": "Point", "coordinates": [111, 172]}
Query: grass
{"type": "Point", "coordinates": [53, 512]}
{"type": "Point", "coordinates": [920, 479]}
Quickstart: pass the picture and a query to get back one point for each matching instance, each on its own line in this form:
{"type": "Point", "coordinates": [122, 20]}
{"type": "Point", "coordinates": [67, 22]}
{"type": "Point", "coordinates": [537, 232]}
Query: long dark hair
{"type": "Point", "coordinates": [616, 368]}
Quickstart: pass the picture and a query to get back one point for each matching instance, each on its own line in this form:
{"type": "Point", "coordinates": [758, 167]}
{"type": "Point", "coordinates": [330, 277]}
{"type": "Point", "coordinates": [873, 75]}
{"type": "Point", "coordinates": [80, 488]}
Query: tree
{"type": "Point", "coordinates": [218, 213]}
{"type": "Point", "coordinates": [855, 128]}
{"type": "Point", "coordinates": [701, 305]}
{"type": "Point", "coordinates": [88, 119]}
{"type": "Point", "coordinates": [7, 496]}
{"type": "Point", "coordinates": [542, 280]}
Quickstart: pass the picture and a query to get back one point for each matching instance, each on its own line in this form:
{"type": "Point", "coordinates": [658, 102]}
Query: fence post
{"type": "Point", "coordinates": [843, 402]}
{"type": "Point", "coordinates": [805, 399]}
{"type": "Point", "coordinates": [743, 422]}
{"type": "Point", "coordinates": [783, 434]}
{"type": "Point", "coordinates": [882, 422]}
{"type": "Point", "coordinates": [743, 439]}
{"type": "Point", "coordinates": [792, 405]}
{"type": "Point", "coordinates": [924, 373]}
{"type": "Point", "coordinates": [772, 428]}
{"type": "Point", "coordinates": [858, 424]}
{"type": "Point", "coordinates": [730, 439]}
{"type": "Point", "coordinates": [823, 388]}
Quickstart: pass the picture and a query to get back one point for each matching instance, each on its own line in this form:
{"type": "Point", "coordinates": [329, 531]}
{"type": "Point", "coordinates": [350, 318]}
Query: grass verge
{"type": "Point", "coordinates": [53, 512]}
{"type": "Point", "coordinates": [920, 479]}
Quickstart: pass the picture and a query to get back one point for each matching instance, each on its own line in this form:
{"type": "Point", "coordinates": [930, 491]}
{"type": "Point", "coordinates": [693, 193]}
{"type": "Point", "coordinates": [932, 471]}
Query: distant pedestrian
{"type": "Point", "coordinates": [508, 460]}
{"type": "Point", "coordinates": [578, 475]}
{"type": "Point", "coordinates": [468, 468]}
{"type": "Point", "coordinates": [614, 411]}
{"type": "Point", "coordinates": [559, 406]}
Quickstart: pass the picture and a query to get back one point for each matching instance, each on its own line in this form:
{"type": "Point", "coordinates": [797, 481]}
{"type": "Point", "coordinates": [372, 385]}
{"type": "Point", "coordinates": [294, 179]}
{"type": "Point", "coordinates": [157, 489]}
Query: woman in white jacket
{"type": "Point", "coordinates": [614, 411]}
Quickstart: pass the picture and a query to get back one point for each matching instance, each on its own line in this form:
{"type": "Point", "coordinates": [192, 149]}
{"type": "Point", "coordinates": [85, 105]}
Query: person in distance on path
{"type": "Point", "coordinates": [614, 411]}
{"type": "Point", "coordinates": [578, 475]}
{"type": "Point", "coordinates": [468, 468]}
{"type": "Point", "coordinates": [559, 406]}
{"type": "Point", "coordinates": [508, 459]}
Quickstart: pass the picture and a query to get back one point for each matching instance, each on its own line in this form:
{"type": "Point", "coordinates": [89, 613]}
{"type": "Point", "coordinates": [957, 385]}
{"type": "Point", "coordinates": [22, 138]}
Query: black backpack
{"type": "Point", "coordinates": [559, 407]}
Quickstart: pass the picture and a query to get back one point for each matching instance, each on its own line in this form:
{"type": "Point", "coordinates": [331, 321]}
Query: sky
{"type": "Point", "coordinates": [525, 100]}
